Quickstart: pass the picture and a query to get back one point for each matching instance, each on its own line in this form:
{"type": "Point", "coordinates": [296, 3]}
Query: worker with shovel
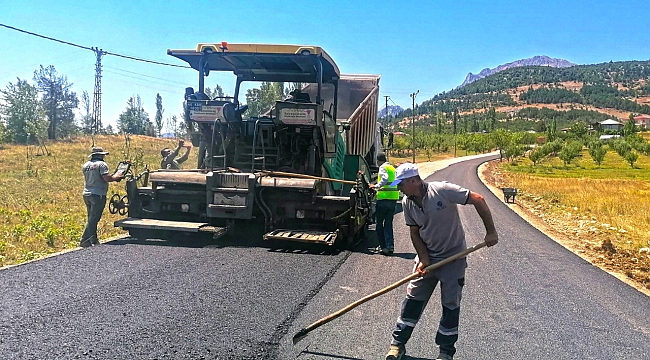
{"type": "Point", "coordinates": [430, 211]}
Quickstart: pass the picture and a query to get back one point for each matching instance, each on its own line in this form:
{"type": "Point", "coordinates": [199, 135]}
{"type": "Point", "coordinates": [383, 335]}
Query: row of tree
{"type": "Point", "coordinates": [42, 110]}
{"type": "Point", "coordinates": [30, 113]}
{"type": "Point", "coordinates": [45, 109]}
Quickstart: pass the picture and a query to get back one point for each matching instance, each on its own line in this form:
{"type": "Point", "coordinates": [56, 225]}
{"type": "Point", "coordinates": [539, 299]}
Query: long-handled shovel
{"type": "Point", "coordinates": [303, 332]}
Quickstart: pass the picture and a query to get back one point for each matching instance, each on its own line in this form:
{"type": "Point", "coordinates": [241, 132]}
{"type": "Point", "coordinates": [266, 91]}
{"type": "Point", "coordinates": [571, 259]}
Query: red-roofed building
{"type": "Point", "coordinates": [642, 121]}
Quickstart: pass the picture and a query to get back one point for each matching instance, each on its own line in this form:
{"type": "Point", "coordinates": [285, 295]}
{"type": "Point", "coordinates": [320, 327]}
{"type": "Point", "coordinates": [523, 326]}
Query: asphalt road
{"type": "Point", "coordinates": [526, 298]}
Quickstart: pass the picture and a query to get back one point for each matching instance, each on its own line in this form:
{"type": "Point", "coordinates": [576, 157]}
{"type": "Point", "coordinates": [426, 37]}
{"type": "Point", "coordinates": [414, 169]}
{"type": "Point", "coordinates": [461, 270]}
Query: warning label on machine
{"type": "Point", "coordinates": [205, 112]}
{"type": "Point", "coordinates": [298, 116]}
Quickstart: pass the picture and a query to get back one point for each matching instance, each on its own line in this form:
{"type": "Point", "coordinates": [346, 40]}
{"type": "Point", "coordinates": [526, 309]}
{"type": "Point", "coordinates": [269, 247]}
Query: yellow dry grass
{"type": "Point", "coordinates": [613, 197]}
{"type": "Point", "coordinates": [41, 206]}
{"type": "Point", "coordinates": [601, 213]}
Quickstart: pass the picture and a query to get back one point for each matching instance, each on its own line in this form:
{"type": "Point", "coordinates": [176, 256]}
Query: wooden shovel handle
{"type": "Point", "coordinates": [302, 333]}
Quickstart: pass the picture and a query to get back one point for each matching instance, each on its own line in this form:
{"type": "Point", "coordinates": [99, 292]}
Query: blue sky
{"type": "Point", "coordinates": [414, 45]}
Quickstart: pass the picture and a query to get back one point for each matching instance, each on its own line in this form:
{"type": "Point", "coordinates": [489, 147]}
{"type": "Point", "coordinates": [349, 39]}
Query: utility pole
{"type": "Point", "coordinates": [387, 97]}
{"type": "Point", "coordinates": [97, 98]}
{"type": "Point", "coordinates": [413, 95]}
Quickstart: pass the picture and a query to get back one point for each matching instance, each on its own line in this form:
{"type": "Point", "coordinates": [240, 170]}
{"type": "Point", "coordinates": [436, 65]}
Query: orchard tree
{"type": "Point", "coordinates": [570, 151]}
{"type": "Point", "coordinates": [631, 157]}
{"type": "Point", "coordinates": [597, 152]}
{"type": "Point", "coordinates": [502, 139]}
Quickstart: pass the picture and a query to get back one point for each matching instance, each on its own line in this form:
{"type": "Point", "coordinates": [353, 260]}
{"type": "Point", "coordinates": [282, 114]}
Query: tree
{"type": "Point", "coordinates": [462, 141]}
{"type": "Point", "coordinates": [440, 118]}
{"type": "Point", "coordinates": [455, 118]}
{"type": "Point", "coordinates": [216, 93]}
{"type": "Point", "coordinates": [134, 119]}
{"type": "Point", "coordinates": [579, 129]}
{"type": "Point", "coordinates": [536, 155]}
{"type": "Point", "coordinates": [59, 102]}
{"type": "Point", "coordinates": [630, 127]}
{"type": "Point", "coordinates": [4, 134]}
{"type": "Point", "coordinates": [631, 157]}
{"type": "Point", "coordinates": [159, 114]}
{"type": "Point", "coordinates": [173, 125]}
{"type": "Point", "coordinates": [501, 139]}
{"type": "Point", "coordinates": [570, 151]}
{"type": "Point", "coordinates": [597, 152]}
{"type": "Point", "coordinates": [22, 113]}
{"type": "Point", "coordinates": [261, 100]}
{"type": "Point", "coordinates": [551, 131]}
{"type": "Point", "coordinates": [86, 115]}
{"type": "Point", "coordinates": [491, 117]}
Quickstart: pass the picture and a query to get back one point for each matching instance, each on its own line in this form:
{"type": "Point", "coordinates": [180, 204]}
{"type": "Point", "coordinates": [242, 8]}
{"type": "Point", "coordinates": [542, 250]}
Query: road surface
{"type": "Point", "coordinates": [526, 298]}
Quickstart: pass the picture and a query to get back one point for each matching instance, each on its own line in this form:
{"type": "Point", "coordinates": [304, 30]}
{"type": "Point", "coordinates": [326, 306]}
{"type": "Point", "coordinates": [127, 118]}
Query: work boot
{"type": "Point", "coordinates": [376, 250]}
{"type": "Point", "coordinates": [85, 243]}
{"type": "Point", "coordinates": [395, 352]}
{"type": "Point", "coordinates": [444, 356]}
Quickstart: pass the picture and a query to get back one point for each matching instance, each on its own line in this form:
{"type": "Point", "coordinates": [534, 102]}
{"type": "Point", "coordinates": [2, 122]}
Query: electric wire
{"type": "Point", "coordinates": [92, 49]}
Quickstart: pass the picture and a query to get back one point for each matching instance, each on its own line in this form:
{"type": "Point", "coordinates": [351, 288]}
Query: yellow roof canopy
{"type": "Point", "coordinates": [263, 62]}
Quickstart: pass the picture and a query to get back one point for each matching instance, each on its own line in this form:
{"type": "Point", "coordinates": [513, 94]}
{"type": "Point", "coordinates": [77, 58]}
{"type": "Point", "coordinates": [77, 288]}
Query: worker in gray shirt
{"type": "Point", "coordinates": [169, 160]}
{"type": "Point", "coordinates": [96, 178]}
{"type": "Point", "coordinates": [431, 213]}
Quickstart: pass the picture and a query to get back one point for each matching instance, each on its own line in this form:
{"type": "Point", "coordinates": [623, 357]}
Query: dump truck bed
{"type": "Point", "coordinates": [358, 99]}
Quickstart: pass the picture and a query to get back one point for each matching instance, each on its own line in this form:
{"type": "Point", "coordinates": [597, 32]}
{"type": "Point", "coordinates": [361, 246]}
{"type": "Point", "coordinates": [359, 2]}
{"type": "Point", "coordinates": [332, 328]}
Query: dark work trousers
{"type": "Point", "coordinates": [94, 208]}
{"type": "Point", "coordinates": [418, 293]}
{"type": "Point", "coordinates": [385, 212]}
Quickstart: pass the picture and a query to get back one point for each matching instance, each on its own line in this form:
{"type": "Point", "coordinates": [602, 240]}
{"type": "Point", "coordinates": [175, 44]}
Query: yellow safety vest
{"type": "Point", "coordinates": [388, 192]}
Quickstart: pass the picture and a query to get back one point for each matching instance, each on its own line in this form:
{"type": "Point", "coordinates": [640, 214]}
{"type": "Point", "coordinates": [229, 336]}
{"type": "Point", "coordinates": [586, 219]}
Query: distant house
{"type": "Point", "coordinates": [398, 133]}
{"type": "Point", "coordinates": [642, 121]}
{"type": "Point", "coordinates": [611, 124]}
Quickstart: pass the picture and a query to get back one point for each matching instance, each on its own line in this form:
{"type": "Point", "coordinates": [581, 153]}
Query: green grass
{"type": "Point", "coordinates": [41, 207]}
{"type": "Point", "coordinates": [613, 193]}
{"type": "Point", "coordinates": [613, 166]}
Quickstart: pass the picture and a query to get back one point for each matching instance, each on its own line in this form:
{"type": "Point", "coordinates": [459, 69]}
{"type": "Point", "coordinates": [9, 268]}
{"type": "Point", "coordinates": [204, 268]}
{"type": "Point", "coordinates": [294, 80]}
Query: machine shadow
{"type": "Point", "coordinates": [253, 237]}
{"type": "Point", "coordinates": [249, 237]}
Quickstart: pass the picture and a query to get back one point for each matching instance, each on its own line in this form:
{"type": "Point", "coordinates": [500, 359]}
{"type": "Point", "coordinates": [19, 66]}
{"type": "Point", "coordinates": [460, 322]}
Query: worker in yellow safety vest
{"type": "Point", "coordinates": [387, 197]}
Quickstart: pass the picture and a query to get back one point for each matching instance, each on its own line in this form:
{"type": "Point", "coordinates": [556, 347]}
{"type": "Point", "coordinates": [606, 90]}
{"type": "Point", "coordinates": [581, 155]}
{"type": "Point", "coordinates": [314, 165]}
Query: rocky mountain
{"type": "Point", "coordinates": [392, 110]}
{"type": "Point", "coordinates": [534, 61]}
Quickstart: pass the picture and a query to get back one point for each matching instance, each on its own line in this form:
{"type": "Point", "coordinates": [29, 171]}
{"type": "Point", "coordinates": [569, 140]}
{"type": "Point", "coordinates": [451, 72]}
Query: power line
{"type": "Point", "coordinates": [147, 76]}
{"type": "Point", "coordinates": [91, 49]}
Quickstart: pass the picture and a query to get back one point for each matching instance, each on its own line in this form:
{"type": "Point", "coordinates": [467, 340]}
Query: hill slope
{"type": "Point", "coordinates": [587, 93]}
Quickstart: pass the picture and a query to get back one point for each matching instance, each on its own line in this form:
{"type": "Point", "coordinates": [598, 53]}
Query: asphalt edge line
{"type": "Point", "coordinates": [64, 251]}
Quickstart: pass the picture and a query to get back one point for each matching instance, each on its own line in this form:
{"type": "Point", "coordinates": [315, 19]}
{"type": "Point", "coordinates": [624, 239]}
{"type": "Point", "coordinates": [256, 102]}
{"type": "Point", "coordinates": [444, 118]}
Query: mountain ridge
{"type": "Point", "coordinates": [539, 60]}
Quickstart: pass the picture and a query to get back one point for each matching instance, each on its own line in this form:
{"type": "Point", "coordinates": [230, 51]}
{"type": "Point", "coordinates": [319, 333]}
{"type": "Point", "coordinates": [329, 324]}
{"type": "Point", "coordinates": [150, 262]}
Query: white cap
{"type": "Point", "coordinates": [405, 171]}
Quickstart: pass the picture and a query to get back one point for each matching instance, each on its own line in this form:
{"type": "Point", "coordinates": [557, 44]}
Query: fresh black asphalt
{"type": "Point", "coordinates": [526, 298]}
